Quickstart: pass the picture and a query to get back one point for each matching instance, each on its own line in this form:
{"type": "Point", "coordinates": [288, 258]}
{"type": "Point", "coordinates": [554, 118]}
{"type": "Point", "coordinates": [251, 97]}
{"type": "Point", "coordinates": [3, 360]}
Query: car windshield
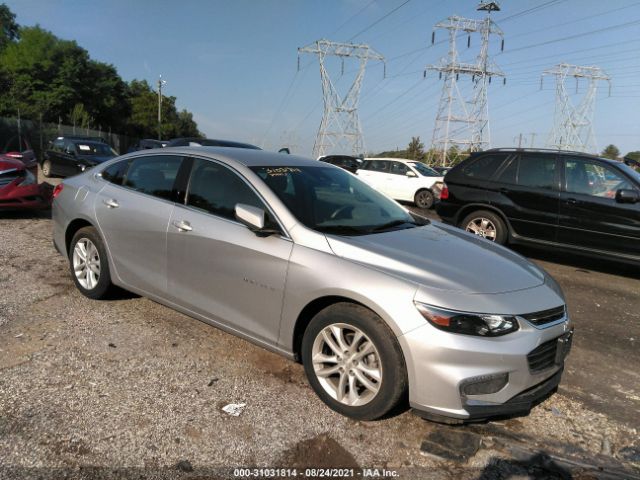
{"type": "Point", "coordinates": [424, 170]}
{"type": "Point", "coordinates": [330, 200]}
{"type": "Point", "coordinates": [91, 148]}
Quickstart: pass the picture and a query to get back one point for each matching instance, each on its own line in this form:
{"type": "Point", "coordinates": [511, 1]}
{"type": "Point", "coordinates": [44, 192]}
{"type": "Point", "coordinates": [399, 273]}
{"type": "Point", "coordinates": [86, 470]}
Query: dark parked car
{"type": "Point", "coordinates": [19, 188]}
{"type": "Point", "coordinates": [147, 144]}
{"type": "Point", "coordinates": [68, 156]}
{"type": "Point", "coordinates": [553, 198]}
{"type": "Point", "coordinates": [349, 163]}
{"type": "Point", "coordinates": [19, 148]}
{"type": "Point", "coordinates": [208, 142]}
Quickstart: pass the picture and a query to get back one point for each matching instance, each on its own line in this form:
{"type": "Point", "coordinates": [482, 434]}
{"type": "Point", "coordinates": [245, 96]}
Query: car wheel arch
{"type": "Point", "coordinates": [72, 228]}
{"type": "Point", "coordinates": [314, 307]}
{"type": "Point", "coordinates": [482, 206]}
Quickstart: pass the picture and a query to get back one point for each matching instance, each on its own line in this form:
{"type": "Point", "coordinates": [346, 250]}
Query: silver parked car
{"type": "Point", "coordinates": [303, 258]}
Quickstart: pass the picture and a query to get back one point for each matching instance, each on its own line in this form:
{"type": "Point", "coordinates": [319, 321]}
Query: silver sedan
{"type": "Point", "coordinates": [303, 258]}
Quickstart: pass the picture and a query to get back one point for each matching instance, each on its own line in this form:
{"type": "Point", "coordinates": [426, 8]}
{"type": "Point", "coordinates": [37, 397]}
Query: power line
{"type": "Point", "coordinates": [379, 20]}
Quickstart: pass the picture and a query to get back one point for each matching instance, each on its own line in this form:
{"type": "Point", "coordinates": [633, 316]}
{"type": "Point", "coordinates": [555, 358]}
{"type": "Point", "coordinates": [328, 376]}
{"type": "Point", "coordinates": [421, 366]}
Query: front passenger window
{"type": "Point", "coordinates": [216, 189]}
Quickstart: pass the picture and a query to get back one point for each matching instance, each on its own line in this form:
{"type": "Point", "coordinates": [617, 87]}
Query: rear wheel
{"type": "Point", "coordinates": [353, 362]}
{"type": "Point", "coordinates": [46, 168]}
{"type": "Point", "coordinates": [487, 225]}
{"type": "Point", "coordinates": [423, 199]}
{"type": "Point", "coordinates": [89, 264]}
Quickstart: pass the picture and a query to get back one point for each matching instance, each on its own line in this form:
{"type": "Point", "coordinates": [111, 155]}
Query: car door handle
{"type": "Point", "coordinates": [571, 201]}
{"type": "Point", "coordinates": [111, 203]}
{"type": "Point", "coordinates": [504, 190]}
{"type": "Point", "coordinates": [183, 226]}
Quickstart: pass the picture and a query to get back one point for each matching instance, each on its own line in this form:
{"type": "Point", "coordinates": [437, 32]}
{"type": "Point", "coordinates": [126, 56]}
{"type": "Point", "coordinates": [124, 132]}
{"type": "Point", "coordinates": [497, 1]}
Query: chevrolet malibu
{"type": "Point", "coordinates": [305, 259]}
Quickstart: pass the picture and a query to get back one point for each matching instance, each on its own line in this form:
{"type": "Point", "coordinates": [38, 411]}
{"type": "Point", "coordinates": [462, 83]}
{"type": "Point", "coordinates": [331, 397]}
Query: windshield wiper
{"type": "Point", "coordinates": [341, 229]}
{"type": "Point", "coordinates": [394, 223]}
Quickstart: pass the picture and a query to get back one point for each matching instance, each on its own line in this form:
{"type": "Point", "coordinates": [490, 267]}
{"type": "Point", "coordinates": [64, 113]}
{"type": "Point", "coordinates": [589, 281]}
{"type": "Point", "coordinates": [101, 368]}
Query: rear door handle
{"type": "Point", "coordinates": [183, 226]}
{"type": "Point", "coordinates": [571, 201]}
{"type": "Point", "coordinates": [111, 203]}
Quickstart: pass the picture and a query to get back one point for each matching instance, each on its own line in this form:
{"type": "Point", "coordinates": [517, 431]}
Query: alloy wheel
{"type": "Point", "coordinates": [347, 364]}
{"type": "Point", "coordinates": [86, 263]}
{"type": "Point", "coordinates": [424, 199]}
{"type": "Point", "coordinates": [483, 227]}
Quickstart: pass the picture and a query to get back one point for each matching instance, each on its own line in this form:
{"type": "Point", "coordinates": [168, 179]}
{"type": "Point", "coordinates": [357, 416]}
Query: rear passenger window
{"type": "Point", "coordinates": [483, 167]}
{"type": "Point", "coordinates": [153, 175]}
{"type": "Point", "coordinates": [377, 166]}
{"type": "Point", "coordinates": [537, 171]}
{"type": "Point", "coordinates": [115, 173]}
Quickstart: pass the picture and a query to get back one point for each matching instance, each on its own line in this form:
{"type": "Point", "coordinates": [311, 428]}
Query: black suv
{"type": "Point", "coordinates": [349, 163]}
{"type": "Point", "coordinates": [71, 155]}
{"type": "Point", "coordinates": [547, 197]}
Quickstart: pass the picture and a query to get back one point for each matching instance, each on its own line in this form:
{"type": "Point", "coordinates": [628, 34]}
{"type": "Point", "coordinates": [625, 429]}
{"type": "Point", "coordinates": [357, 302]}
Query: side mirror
{"type": "Point", "coordinates": [627, 196]}
{"type": "Point", "coordinates": [284, 150]}
{"type": "Point", "coordinates": [411, 174]}
{"type": "Point", "coordinates": [254, 219]}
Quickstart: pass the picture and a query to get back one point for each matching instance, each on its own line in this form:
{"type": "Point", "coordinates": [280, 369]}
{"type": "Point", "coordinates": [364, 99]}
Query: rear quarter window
{"type": "Point", "coordinates": [482, 167]}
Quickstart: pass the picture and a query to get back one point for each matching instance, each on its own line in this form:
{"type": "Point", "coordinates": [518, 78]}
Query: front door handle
{"type": "Point", "coordinates": [111, 203]}
{"type": "Point", "coordinates": [571, 201]}
{"type": "Point", "coordinates": [183, 226]}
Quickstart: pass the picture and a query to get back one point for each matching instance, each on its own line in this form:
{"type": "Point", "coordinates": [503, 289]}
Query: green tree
{"type": "Point", "coordinates": [634, 155]}
{"type": "Point", "coordinates": [611, 151]}
{"type": "Point", "coordinates": [415, 150]}
{"type": "Point", "coordinates": [8, 27]}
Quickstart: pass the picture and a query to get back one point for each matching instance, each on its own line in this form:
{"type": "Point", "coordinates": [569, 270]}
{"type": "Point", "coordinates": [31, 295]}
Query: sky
{"type": "Point", "coordinates": [234, 63]}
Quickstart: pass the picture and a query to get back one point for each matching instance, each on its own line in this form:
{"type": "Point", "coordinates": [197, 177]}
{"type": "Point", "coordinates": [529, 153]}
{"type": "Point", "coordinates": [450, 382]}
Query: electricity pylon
{"type": "Point", "coordinates": [573, 125]}
{"type": "Point", "coordinates": [340, 128]}
{"type": "Point", "coordinates": [464, 123]}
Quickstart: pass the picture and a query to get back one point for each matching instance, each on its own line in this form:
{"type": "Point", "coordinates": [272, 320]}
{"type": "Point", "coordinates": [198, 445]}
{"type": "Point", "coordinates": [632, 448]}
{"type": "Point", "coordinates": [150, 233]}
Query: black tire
{"type": "Point", "coordinates": [393, 384]}
{"type": "Point", "coordinates": [103, 287]}
{"type": "Point", "coordinates": [495, 223]}
{"type": "Point", "coordinates": [423, 199]}
{"type": "Point", "coordinates": [46, 168]}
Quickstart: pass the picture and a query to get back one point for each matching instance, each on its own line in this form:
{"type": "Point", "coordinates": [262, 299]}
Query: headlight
{"type": "Point", "coordinates": [479, 324]}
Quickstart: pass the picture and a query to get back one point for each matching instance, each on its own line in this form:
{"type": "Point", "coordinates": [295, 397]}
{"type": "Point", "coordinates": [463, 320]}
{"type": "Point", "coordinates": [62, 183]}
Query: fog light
{"type": "Point", "coordinates": [484, 384]}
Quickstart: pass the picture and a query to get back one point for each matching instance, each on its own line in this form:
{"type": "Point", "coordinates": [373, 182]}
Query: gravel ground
{"type": "Point", "coordinates": [129, 388]}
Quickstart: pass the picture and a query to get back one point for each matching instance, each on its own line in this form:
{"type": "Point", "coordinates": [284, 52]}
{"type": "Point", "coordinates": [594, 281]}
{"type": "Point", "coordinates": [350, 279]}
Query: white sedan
{"type": "Point", "coordinates": [404, 180]}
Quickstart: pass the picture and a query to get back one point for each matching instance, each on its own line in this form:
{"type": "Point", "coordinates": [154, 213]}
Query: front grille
{"type": "Point", "coordinates": [543, 356]}
{"type": "Point", "coordinates": [545, 316]}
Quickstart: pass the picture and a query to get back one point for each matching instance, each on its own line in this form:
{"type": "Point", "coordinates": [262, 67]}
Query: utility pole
{"type": "Point", "coordinates": [340, 128]}
{"type": "Point", "coordinates": [464, 123]}
{"type": "Point", "coordinates": [160, 84]}
{"type": "Point", "coordinates": [573, 125]}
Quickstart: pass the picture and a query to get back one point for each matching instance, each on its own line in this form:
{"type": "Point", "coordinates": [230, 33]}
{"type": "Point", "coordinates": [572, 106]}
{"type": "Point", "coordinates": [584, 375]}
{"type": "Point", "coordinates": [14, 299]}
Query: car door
{"type": "Point", "coordinates": [376, 173]}
{"type": "Point", "coordinates": [54, 154]}
{"type": "Point", "coordinates": [219, 268]}
{"type": "Point", "coordinates": [526, 190]}
{"type": "Point", "coordinates": [400, 186]}
{"type": "Point", "coordinates": [133, 213]}
{"type": "Point", "coordinates": [590, 214]}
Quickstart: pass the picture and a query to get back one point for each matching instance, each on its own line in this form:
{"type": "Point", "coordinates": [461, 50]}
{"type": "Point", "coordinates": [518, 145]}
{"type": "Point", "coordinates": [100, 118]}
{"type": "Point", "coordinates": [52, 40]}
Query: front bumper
{"type": "Point", "coordinates": [440, 363]}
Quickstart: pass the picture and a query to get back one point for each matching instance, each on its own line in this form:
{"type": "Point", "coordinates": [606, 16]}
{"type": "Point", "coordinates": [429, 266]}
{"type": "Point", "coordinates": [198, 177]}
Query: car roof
{"type": "Point", "coordinates": [223, 143]}
{"type": "Point", "coordinates": [247, 157]}
{"type": "Point", "coordinates": [550, 151]}
{"type": "Point", "coordinates": [402, 160]}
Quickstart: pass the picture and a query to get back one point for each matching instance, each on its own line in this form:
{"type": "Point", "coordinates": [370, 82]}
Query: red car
{"type": "Point", "coordinates": [19, 188]}
{"type": "Point", "coordinates": [18, 147]}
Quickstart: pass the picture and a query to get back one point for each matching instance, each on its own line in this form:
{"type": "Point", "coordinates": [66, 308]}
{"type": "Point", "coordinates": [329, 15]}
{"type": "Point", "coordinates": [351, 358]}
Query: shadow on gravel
{"type": "Point", "coordinates": [539, 466]}
{"type": "Point", "coordinates": [24, 214]}
{"type": "Point", "coordinates": [580, 262]}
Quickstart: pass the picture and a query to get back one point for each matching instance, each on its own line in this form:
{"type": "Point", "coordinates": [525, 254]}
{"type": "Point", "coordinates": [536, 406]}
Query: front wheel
{"type": "Point", "coordinates": [89, 264]}
{"type": "Point", "coordinates": [353, 362]}
{"type": "Point", "coordinates": [487, 225]}
{"type": "Point", "coordinates": [423, 199]}
{"type": "Point", "coordinates": [46, 168]}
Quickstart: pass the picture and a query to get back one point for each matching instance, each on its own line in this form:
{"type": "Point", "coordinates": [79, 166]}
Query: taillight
{"type": "Point", "coordinates": [14, 155]}
{"type": "Point", "coordinates": [444, 193]}
{"type": "Point", "coordinates": [58, 188]}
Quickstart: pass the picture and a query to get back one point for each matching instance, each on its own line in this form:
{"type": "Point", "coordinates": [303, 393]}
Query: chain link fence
{"type": "Point", "coordinates": [17, 134]}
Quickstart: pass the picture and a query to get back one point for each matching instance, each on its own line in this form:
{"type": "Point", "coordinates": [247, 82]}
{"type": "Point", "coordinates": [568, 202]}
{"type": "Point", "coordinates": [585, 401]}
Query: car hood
{"type": "Point", "coordinates": [441, 257]}
{"type": "Point", "coordinates": [8, 163]}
